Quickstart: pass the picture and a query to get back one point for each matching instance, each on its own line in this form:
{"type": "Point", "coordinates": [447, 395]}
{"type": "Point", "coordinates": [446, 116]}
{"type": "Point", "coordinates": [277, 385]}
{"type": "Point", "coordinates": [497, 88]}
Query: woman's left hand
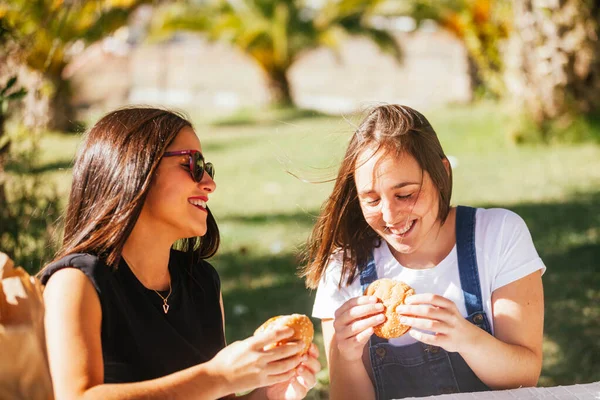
{"type": "Point", "coordinates": [445, 326]}
{"type": "Point", "coordinates": [305, 379]}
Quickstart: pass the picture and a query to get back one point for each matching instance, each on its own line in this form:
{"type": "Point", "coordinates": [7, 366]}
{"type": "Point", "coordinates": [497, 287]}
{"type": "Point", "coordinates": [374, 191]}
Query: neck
{"type": "Point", "coordinates": [147, 254]}
{"type": "Point", "coordinates": [437, 245]}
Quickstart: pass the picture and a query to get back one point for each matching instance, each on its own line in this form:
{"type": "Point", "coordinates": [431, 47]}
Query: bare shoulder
{"type": "Point", "coordinates": [71, 284]}
{"type": "Point", "coordinates": [72, 303]}
{"type": "Point", "coordinates": [73, 311]}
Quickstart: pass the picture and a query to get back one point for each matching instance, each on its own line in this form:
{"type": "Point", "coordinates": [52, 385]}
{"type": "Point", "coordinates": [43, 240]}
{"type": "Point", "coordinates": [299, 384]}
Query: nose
{"type": "Point", "coordinates": [207, 183]}
{"type": "Point", "coordinates": [389, 213]}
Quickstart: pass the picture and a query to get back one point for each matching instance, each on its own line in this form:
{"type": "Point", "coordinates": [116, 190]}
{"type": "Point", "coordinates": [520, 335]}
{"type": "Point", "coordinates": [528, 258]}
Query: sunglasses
{"type": "Point", "coordinates": [197, 165]}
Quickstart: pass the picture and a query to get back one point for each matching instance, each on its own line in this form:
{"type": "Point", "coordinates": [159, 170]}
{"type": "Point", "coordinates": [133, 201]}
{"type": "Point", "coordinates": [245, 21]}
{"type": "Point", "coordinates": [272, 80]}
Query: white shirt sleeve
{"type": "Point", "coordinates": [329, 296]}
{"type": "Point", "coordinates": [517, 256]}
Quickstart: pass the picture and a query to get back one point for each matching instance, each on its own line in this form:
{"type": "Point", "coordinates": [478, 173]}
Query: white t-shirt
{"type": "Point", "coordinates": [505, 253]}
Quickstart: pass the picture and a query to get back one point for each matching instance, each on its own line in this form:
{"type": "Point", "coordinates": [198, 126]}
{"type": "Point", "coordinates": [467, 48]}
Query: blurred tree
{"type": "Point", "coordinates": [10, 92]}
{"type": "Point", "coordinates": [557, 63]}
{"type": "Point", "coordinates": [482, 25]}
{"type": "Point", "coordinates": [49, 30]}
{"type": "Point", "coordinates": [276, 32]}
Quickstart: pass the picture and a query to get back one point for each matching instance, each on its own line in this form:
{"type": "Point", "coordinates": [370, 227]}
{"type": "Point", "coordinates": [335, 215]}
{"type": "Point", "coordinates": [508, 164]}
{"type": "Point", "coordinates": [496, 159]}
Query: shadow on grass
{"type": "Point", "coordinates": [567, 237]}
{"type": "Point", "coordinates": [257, 287]}
{"type": "Point", "coordinates": [248, 117]}
{"type": "Point", "coordinates": [300, 218]}
{"type": "Point", "coordinates": [210, 147]}
{"type": "Point", "coordinates": [23, 168]}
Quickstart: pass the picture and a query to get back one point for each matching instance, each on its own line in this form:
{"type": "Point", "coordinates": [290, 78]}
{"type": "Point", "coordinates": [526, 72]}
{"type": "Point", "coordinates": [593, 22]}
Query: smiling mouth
{"type": "Point", "coordinates": [200, 204]}
{"type": "Point", "coordinates": [402, 232]}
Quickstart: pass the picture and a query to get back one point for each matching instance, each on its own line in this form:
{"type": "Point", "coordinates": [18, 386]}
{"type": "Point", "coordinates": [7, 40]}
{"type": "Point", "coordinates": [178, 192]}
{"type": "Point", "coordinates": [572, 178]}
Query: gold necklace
{"type": "Point", "coordinates": [165, 305]}
{"type": "Point", "coordinates": [164, 299]}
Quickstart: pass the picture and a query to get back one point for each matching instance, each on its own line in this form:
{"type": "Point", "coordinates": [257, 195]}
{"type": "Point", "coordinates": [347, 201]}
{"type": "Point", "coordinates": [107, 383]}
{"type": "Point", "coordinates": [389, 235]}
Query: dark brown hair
{"type": "Point", "coordinates": [341, 225]}
{"type": "Point", "coordinates": [113, 172]}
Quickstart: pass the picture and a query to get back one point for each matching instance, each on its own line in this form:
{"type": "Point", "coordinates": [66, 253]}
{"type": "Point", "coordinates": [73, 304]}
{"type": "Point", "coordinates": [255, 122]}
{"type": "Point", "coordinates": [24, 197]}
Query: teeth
{"type": "Point", "coordinates": [404, 230]}
{"type": "Point", "coordinates": [197, 202]}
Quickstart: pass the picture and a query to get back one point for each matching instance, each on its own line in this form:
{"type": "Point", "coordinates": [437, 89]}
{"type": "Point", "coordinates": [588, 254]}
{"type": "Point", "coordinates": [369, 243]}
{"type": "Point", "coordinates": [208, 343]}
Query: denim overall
{"type": "Point", "coordinates": [423, 370]}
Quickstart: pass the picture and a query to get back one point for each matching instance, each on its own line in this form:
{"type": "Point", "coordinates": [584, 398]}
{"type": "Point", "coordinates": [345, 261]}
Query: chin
{"type": "Point", "coordinates": [200, 232]}
{"type": "Point", "coordinates": [401, 248]}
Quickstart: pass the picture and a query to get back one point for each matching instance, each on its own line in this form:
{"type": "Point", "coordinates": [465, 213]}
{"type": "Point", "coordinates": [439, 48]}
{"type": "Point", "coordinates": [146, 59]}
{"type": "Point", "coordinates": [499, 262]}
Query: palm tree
{"type": "Point", "coordinates": [557, 61]}
{"type": "Point", "coordinates": [275, 33]}
{"type": "Point", "coordinates": [47, 31]}
{"type": "Point", "coordinates": [482, 26]}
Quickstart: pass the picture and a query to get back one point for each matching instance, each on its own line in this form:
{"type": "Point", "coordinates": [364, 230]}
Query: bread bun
{"type": "Point", "coordinates": [300, 323]}
{"type": "Point", "coordinates": [391, 293]}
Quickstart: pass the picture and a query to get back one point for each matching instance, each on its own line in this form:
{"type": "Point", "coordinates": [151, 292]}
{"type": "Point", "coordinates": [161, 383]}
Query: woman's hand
{"type": "Point", "coordinates": [246, 365]}
{"type": "Point", "coordinates": [353, 324]}
{"type": "Point", "coordinates": [445, 326]}
{"type": "Point", "coordinates": [305, 379]}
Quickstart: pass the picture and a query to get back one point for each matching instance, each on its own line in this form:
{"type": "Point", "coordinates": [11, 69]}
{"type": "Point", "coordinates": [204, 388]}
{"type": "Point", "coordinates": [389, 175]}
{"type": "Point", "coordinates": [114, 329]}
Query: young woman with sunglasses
{"type": "Point", "coordinates": [127, 315]}
{"type": "Point", "coordinates": [477, 316]}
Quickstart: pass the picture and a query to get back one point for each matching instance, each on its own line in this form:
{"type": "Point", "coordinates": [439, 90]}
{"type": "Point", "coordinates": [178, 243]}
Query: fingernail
{"type": "Point", "coordinates": [380, 317]}
{"type": "Point", "coordinates": [400, 308]}
{"type": "Point", "coordinates": [403, 320]}
{"type": "Point", "coordinates": [373, 299]}
{"type": "Point", "coordinates": [379, 306]}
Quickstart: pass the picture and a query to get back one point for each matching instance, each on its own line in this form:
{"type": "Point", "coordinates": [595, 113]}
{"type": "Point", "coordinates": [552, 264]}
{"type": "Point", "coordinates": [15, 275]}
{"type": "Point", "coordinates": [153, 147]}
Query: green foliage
{"type": "Point", "coordinates": [47, 28]}
{"type": "Point", "coordinates": [568, 128]}
{"type": "Point", "coordinates": [9, 93]}
{"type": "Point", "coordinates": [28, 220]}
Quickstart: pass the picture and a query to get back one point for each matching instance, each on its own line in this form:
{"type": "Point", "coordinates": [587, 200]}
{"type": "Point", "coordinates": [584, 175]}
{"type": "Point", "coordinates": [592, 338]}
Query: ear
{"type": "Point", "coordinates": [446, 165]}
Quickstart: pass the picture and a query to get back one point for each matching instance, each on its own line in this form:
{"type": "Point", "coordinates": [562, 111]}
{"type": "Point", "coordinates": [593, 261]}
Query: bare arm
{"type": "Point", "coordinates": [516, 349]}
{"type": "Point", "coordinates": [347, 379]}
{"type": "Point", "coordinates": [345, 338]}
{"type": "Point", "coordinates": [510, 359]}
{"type": "Point", "coordinates": [73, 321]}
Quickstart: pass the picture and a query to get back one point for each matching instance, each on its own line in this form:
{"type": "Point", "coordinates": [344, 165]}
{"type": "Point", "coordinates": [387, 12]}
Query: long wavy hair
{"type": "Point", "coordinates": [113, 172]}
{"type": "Point", "coordinates": [341, 226]}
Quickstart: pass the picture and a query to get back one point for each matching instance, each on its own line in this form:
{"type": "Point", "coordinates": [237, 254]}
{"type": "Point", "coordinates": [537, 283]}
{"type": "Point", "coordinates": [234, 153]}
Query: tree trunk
{"type": "Point", "coordinates": [475, 80]}
{"type": "Point", "coordinates": [4, 210]}
{"type": "Point", "coordinates": [279, 88]}
{"type": "Point", "coordinates": [61, 114]}
{"type": "Point", "coordinates": [556, 58]}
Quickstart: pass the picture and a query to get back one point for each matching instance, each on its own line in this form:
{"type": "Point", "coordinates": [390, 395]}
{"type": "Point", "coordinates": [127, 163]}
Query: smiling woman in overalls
{"type": "Point", "coordinates": [477, 315]}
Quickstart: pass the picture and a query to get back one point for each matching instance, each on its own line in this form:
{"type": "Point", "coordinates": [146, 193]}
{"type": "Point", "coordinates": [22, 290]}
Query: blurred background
{"type": "Point", "coordinates": [275, 89]}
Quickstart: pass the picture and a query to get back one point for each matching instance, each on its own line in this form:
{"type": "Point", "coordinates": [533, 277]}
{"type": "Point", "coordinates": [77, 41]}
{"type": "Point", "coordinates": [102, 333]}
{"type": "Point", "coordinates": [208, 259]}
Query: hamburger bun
{"type": "Point", "coordinates": [391, 293]}
{"type": "Point", "coordinates": [300, 323]}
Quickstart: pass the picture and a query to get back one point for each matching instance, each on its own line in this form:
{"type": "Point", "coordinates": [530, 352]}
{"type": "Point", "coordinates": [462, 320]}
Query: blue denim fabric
{"type": "Point", "coordinates": [423, 370]}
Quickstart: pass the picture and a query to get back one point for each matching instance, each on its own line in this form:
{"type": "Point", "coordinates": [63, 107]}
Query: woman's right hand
{"type": "Point", "coordinates": [353, 324]}
{"type": "Point", "coordinates": [246, 365]}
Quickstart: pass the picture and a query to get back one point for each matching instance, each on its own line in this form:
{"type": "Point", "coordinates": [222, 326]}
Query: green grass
{"type": "Point", "coordinates": [265, 214]}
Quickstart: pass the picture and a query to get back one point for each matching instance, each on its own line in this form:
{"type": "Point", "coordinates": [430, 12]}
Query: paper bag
{"type": "Point", "coordinates": [24, 372]}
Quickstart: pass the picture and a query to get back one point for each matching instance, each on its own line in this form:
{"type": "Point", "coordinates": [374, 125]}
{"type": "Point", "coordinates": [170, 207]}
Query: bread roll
{"type": "Point", "coordinates": [391, 293]}
{"type": "Point", "coordinates": [300, 323]}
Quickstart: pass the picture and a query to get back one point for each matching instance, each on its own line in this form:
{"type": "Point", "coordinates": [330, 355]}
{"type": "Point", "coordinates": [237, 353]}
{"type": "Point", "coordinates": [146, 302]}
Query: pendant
{"type": "Point", "coordinates": [166, 308]}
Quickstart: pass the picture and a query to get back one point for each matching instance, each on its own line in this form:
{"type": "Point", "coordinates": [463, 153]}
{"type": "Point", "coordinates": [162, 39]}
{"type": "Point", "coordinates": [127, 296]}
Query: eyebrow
{"type": "Point", "coordinates": [396, 186]}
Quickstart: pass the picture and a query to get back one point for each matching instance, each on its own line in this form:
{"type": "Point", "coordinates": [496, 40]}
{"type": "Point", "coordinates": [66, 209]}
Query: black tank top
{"type": "Point", "coordinates": [140, 341]}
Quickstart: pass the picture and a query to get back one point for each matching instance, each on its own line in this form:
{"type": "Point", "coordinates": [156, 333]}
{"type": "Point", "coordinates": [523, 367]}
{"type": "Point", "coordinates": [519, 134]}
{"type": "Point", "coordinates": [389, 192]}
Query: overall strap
{"type": "Point", "coordinates": [368, 274]}
{"type": "Point", "coordinates": [467, 266]}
